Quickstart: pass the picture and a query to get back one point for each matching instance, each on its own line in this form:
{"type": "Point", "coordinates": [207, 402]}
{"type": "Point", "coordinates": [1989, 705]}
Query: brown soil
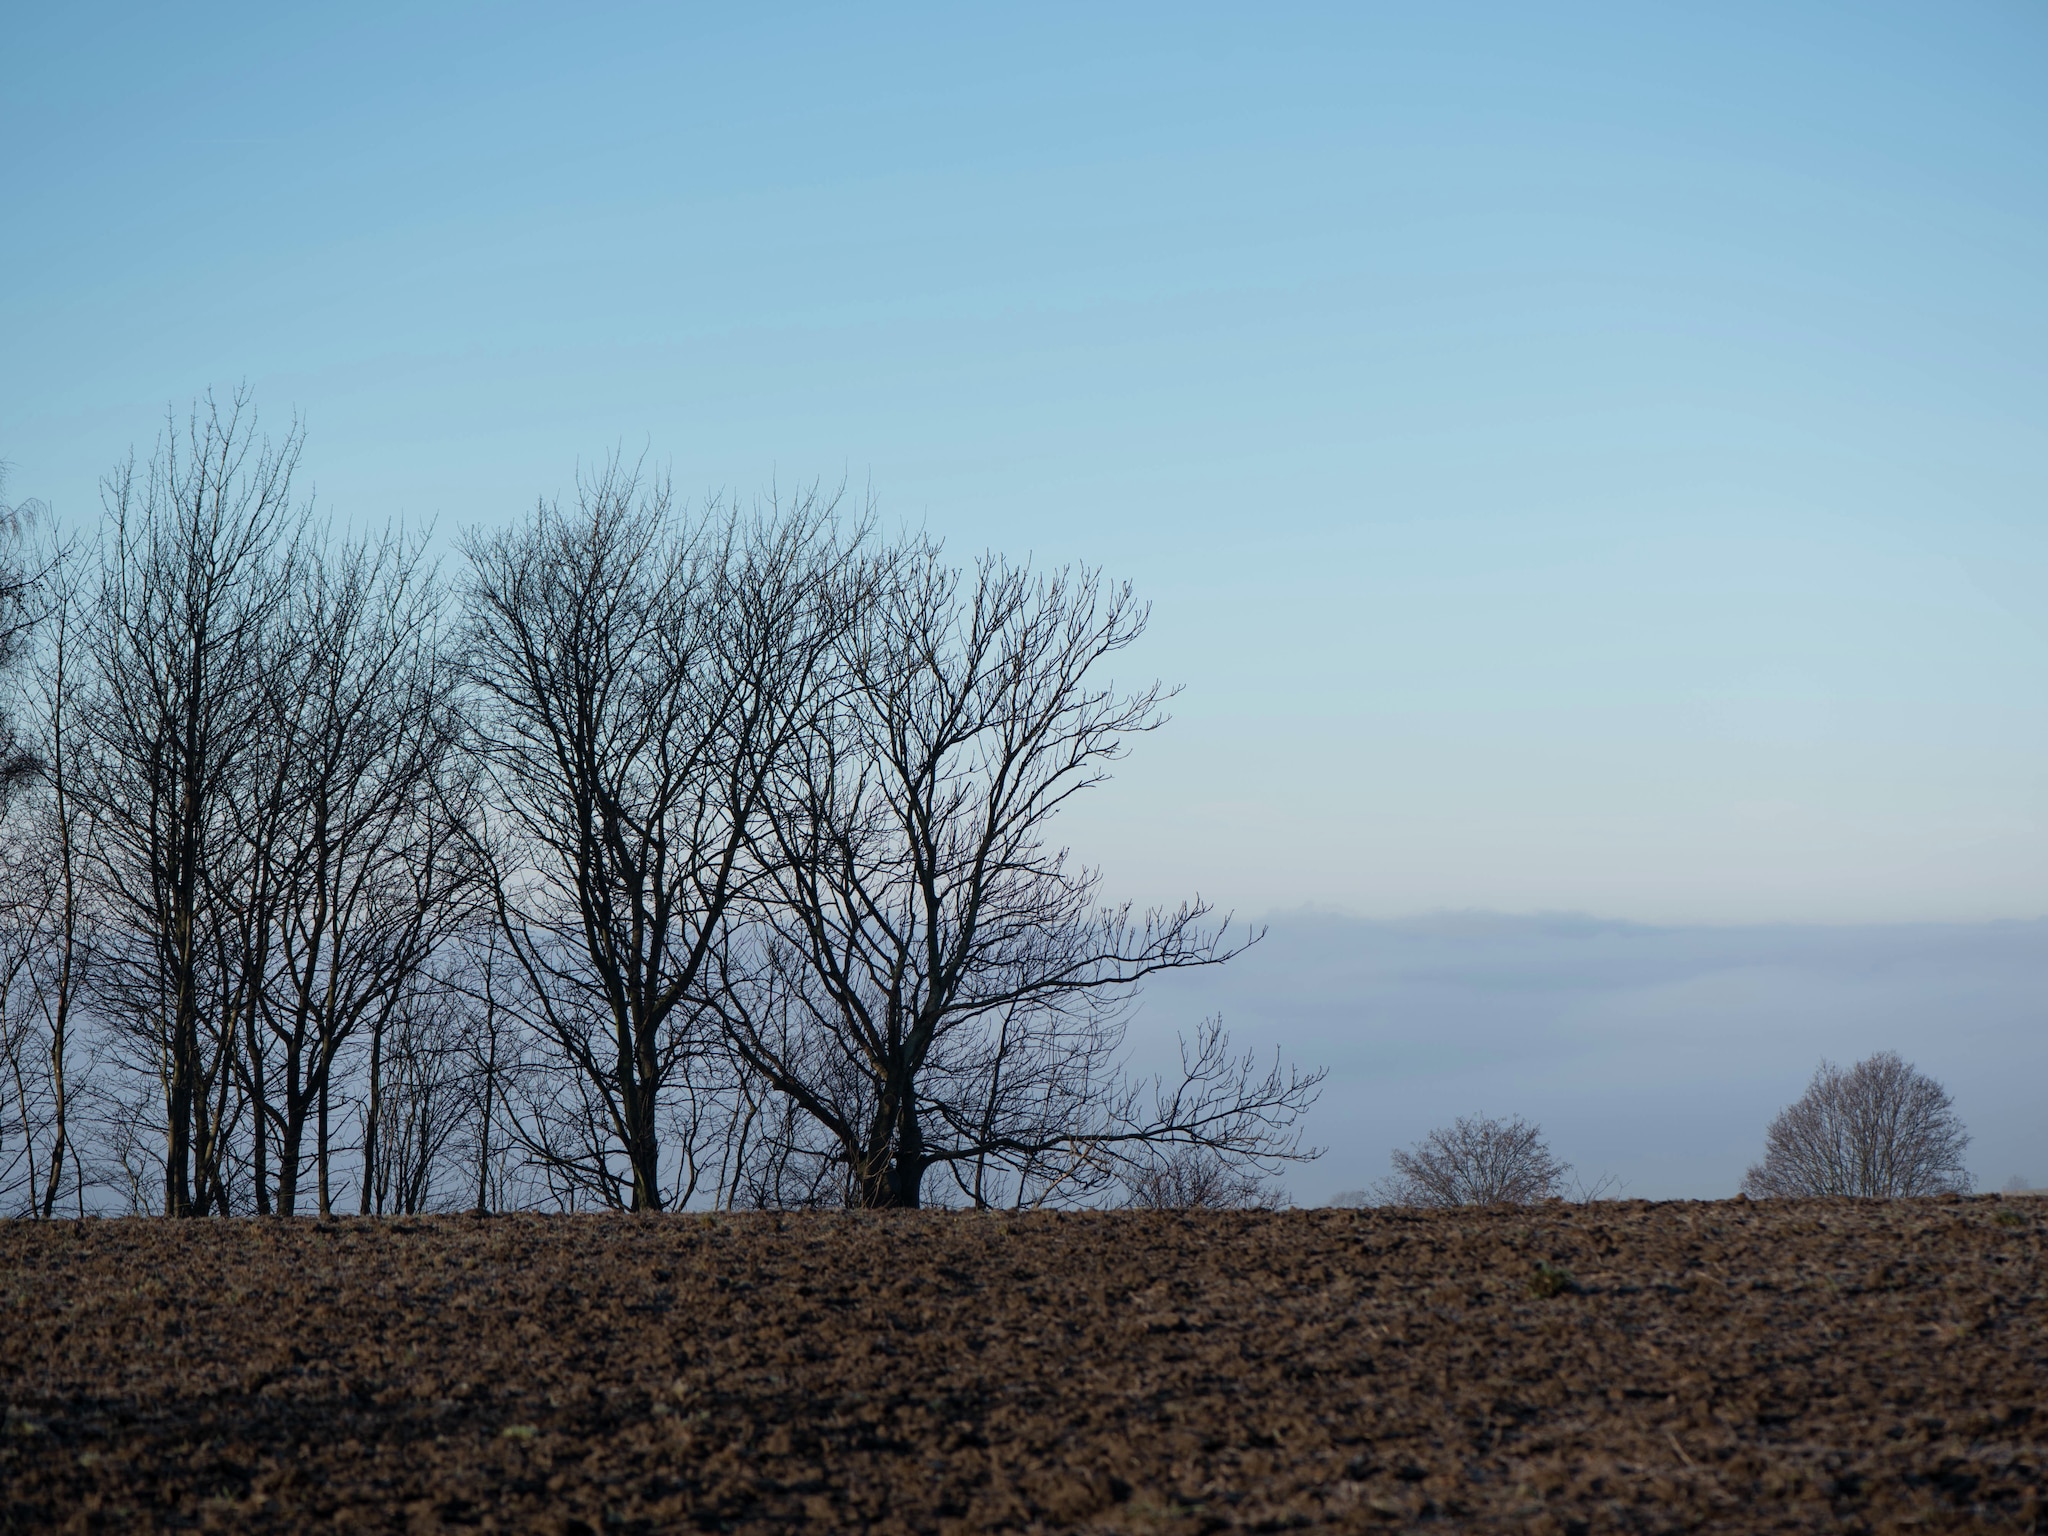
{"type": "Point", "coordinates": [1812, 1366]}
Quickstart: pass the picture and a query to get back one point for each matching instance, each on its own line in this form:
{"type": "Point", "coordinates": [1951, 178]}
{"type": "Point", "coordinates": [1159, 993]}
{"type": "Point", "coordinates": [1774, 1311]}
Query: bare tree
{"type": "Point", "coordinates": [929, 981]}
{"type": "Point", "coordinates": [1881, 1130]}
{"type": "Point", "coordinates": [1196, 1179]}
{"type": "Point", "coordinates": [51, 849]}
{"type": "Point", "coordinates": [45, 922]}
{"type": "Point", "coordinates": [128, 1146]}
{"type": "Point", "coordinates": [424, 1103]}
{"type": "Point", "coordinates": [359, 868]}
{"type": "Point", "coordinates": [192, 577]}
{"type": "Point", "coordinates": [489, 1062]}
{"type": "Point", "coordinates": [1476, 1161]}
{"type": "Point", "coordinates": [31, 1100]}
{"type": "Point", "coordinates": [640, 674]}
{"type": "Point", "coordinates": [30, 1095]}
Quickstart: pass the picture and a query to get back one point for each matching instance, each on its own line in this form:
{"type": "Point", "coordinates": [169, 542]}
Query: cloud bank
{"type": "Point", "coordinates": [1652, 1054]}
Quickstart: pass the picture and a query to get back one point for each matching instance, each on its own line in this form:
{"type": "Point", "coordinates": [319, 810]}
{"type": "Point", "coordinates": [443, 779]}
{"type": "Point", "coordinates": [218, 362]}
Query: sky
{"type": "Point", "coordinates": [1582, 459]}
{"type": "Point", "coordinates": [1579, 458]}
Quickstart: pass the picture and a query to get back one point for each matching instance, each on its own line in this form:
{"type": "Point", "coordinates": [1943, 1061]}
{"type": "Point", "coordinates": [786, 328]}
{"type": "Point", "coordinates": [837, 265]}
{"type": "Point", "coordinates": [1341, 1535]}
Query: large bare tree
{"type": "Point", "coordinates": [1880, 1130]}
{"type": "Point", "coordinates": [639, 673]}
{"type": "Point", "coordinates": [194, 572]}
{"type": "Point", "coordinates": [931, 981]}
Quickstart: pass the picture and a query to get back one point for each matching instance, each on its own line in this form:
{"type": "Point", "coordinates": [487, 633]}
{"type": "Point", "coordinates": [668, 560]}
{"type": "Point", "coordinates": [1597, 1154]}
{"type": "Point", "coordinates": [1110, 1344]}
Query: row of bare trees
{"type": "Point", "coordinates": [666, 856]}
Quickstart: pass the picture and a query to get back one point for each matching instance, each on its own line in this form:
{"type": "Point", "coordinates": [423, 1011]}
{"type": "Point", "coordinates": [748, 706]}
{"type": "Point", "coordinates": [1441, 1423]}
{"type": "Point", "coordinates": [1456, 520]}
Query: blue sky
{"type": "Point", "coordinates": [1581, 458]}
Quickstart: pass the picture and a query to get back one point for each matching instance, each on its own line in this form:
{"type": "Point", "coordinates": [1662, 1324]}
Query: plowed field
{"type": "Point", "coordinates": [1809, 1366]}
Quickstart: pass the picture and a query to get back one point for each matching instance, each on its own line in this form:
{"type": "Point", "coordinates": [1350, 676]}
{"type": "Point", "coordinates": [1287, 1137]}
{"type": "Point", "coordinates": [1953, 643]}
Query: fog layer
{"type": "Point", "coordinates": [1654, 1055]}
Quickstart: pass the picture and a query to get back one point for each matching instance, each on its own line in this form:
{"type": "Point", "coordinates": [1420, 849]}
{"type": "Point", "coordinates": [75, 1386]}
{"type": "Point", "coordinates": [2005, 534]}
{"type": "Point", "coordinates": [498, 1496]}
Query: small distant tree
{"type": "Point", "coordinates": [1476, 1161]}
{"type": "Point", "coordinates": [1193, 1178]}
{"type": "Point", "coordinates": [1881, 1130]}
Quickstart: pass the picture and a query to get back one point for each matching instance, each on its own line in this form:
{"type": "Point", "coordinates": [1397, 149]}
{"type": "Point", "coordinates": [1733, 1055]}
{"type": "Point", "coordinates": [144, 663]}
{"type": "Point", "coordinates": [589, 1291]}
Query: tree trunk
{"type": "Point", "coordinates": [370, 1115]}
{"type": "Point", "coordinates": [896, 1163]}
{"type": "Point", "coordinates": [643, 1151]}
{"type": "Point", "coordinates": [61, 1133]}
{"type": "Point", "coordinates": [60, 1020]}
{"type": "Point", "coordinates": [259, 1109]}
{"type": "Point", "coordinates": [291, 1141]}
{"type": "Point", "coordinates": [178, 1141]}
{"type": "Point", "coordinates": [321, 1153]}
{"type": "Point", "coordinates": [483, 1144]}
